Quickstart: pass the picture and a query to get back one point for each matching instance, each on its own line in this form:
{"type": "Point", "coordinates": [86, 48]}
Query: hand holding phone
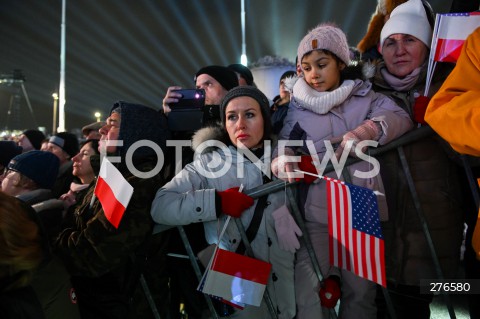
{"type": "Point", "coordinates": [190, 99]}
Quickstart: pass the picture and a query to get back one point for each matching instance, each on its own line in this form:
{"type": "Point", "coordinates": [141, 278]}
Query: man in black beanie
{"type": "Point", "coordinates": [31, 140]}
{"type": "Point", "coordinates": [65, 146]}
{"type": "Point", "coordinates": [216, 80]}
{"type": "Point", "coordinates": [245, 76]}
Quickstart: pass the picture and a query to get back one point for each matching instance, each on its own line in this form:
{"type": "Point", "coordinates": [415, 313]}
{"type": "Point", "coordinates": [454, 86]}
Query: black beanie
{"type": "Point", "coordinates": [257, 95]}
{"type": "Point", "coordinates": [35, 137]}
{"type": "Point", "coordinates": [67, 141]}
{"type": "Point", "coordinates": [225, 76]}
{"type": "Point", "coordinates": [243, 71]}
{"type": "Point", "coordinates": [8, 150]}
{"type": "Point", "coordinates": [40, 166]}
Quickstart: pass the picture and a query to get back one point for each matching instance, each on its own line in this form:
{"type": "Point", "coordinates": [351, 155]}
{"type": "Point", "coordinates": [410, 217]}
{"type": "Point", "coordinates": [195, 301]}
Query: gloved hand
{"type": "Point", "coordinates": [234, 202]}
{"type": "Point", "coordinates": [287, 230]}
{"type": "Point", "coordinates": [368, 130]}
{"type": "Point", "coordinates": [419, 109]}
{"type": "Point", "coordinates": [306, 165]}
{"type": "Point", "coordinates": [330, 291]}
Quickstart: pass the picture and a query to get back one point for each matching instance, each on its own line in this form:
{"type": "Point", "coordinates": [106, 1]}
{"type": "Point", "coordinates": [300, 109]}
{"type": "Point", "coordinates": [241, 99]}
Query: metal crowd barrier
{"type": "Point", "coordinates": [280, 185]}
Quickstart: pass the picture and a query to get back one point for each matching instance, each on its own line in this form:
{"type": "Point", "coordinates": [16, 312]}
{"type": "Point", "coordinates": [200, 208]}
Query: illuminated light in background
{"type": "Point", "coordinates": [243, 60]}
{"type": "Point", "coordinates": [134, 50]}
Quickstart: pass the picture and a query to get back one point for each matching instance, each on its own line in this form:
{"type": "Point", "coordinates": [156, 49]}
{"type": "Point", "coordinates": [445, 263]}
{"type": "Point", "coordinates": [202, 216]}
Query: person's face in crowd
{"type": "Point", "coordinates": [81, 164]}
{"type": "Point", "coordinates": [214, 91]}
{"type": "Point", "coordinates": [241, 79]}
{"type": "Point", "coordinates": [44, 146]}
{"type": "Point", "coordinates": [3, 171]}
{"type": "Point", "coordinates": [59, 152]}
{"type": "Point", "coordinates": [25, 143]}
{"type": "Point", "coordinates": [244, 122]}
{"type": "Point", "coordinates": [284, 93]}
{"type": "Point", "coordinates": [10, 182]}
{"type": "Point", "coordinates": [110, 132]}
{"type": "Point", "coordinates": [403, 53]}
{"type": "Point", "coordinates": [321, 71]}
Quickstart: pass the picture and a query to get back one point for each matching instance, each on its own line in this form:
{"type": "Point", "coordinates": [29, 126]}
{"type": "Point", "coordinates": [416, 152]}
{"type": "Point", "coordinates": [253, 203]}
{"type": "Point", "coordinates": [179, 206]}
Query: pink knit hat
{"type": "Point", "coordinates": [325, 37]}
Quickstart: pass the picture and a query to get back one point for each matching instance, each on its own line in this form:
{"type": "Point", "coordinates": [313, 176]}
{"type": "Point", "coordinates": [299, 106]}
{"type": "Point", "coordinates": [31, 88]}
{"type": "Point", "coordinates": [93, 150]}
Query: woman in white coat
{"type": "Point", "coordinates": [206, 190]}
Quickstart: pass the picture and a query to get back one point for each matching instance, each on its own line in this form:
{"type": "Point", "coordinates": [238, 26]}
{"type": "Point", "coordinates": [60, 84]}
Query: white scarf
{"type": "Point", "coordinates": [320, 102]}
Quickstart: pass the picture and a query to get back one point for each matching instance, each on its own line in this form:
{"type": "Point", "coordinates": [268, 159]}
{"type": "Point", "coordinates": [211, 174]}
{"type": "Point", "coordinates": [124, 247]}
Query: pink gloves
{"type": "Point", "coordinates": [368, 130]}
{"type": "Point", "coordinates": [330, 291]}
{"type": "Point", "coordinates": [234, 202]}
{"type": "Point", "coordinates": [287, 230]}
{"type": "Point", "coordinates": [419, 109]}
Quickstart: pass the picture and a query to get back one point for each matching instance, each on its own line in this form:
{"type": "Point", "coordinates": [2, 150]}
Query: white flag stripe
{"type": "Point", "coordinates": [351, 255]}
{"type": "Point", "coordinates": [359, 254]}
{"type": "Point", "coordinates": [457, 27]}
{"type": "Point", "coordinates": [377, 258]}
{"type": "Point", "coordinates": [234, 288]}
{"type": "Point", "coordinates": [119, 186]}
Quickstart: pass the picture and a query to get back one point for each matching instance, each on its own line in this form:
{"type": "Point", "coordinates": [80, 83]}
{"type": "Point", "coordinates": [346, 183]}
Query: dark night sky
{"type": "Point", "coordinates": [133, 50]}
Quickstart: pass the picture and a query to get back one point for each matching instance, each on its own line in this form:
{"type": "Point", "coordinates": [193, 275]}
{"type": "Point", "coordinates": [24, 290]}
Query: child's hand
{"type": "Point", "coordinates": [283, 168]}
{"type": "Point", "coordinates": [368, 130]}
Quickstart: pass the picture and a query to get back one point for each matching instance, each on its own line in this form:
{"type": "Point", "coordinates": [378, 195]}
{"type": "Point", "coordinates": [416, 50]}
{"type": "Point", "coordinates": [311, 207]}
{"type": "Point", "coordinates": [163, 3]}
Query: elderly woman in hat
{"type": "Point", "coordinates": [207, 190]}
{"type": "Point", "coordinates": [401, 73]}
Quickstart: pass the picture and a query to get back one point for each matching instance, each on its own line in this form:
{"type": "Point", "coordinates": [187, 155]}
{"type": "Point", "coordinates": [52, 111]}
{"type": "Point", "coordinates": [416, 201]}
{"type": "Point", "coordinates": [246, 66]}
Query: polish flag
{"type": "Point", "coordinates": [113, 191]}
{"type": "Point", "coordinates": [452, 30]}
{"type": "Point", "coordinates": [236, 278]}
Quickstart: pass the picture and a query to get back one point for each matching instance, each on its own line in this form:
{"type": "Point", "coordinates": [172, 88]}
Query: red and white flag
{"type": "Point", "coordinates": [113, 191]}
{"type": "Point", "coordinates": [452, 30]}
{"type": "Point", "coordinates": [355, 236]}
{"type": "Point", "coordinates": [236, 278]}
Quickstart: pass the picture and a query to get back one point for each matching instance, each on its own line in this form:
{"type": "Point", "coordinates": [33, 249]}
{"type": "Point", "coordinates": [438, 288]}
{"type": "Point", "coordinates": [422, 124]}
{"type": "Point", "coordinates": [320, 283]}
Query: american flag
{"type": "Point", "coordinates": [355, 235]}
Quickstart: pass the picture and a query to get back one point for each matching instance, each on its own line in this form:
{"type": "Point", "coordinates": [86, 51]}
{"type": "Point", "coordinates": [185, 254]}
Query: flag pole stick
{"type": "Point", "coordinates": [306, 239]}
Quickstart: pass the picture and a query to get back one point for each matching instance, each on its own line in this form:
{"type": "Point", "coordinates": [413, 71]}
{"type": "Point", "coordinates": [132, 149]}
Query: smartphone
{"type": "Point", "coordinates": [191, 99]}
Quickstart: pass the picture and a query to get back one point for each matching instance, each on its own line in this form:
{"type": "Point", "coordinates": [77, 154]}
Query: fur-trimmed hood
{"type": "Point", "coordinates": [210, 133]}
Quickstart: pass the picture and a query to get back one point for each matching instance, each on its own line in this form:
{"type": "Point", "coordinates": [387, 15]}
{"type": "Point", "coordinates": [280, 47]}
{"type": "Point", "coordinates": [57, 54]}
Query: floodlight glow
{"type": "Point", "coordinates": [243, 59]}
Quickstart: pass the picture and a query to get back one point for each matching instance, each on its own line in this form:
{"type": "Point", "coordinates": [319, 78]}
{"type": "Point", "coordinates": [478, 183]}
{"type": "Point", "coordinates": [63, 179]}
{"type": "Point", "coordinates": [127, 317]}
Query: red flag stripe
{"type": "Point", "coordinates": [251, 269]}
{"type": "Point", "coordinates": [448, 50]}
{"type": "Point", "coordinates": [345, 220]}
{"type": "Point", "coordinates": [112, 208]}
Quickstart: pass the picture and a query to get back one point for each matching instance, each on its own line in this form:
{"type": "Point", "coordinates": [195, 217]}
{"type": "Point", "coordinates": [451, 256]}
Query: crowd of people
{"type": "Point", "coordinates": [61, 257]}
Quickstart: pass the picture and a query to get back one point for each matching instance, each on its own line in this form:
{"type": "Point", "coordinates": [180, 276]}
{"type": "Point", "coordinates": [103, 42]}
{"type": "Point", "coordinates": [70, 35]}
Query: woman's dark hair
{"type": "Point", "coordinates": [94, 143]}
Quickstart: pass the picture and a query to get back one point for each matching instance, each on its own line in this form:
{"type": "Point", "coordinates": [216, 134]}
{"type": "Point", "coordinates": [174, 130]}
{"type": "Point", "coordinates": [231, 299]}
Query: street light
{"type": "Point", "coordinates": [55, 106]}
{"type": "Point", "coordinates": [97, 116]}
